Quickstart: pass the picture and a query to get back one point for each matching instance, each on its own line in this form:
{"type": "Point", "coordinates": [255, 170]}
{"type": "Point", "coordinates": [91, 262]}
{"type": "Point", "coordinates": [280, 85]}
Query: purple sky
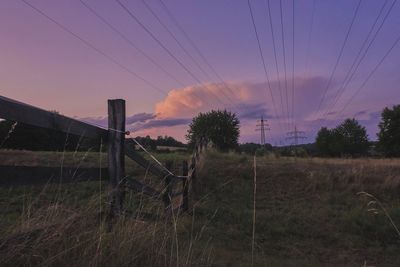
{"type": "Point", "coordinates": [45, 66]}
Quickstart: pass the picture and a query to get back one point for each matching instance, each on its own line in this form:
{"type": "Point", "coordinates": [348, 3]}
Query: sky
{"type": "Point", "coordinates": [171, 59]}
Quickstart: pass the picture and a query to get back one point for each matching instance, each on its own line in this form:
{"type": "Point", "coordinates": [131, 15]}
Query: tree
{"type": "Point", "coordinates": [324, 141]}
{"type": "Point", "coordinates": [389, 134]}
{"type": "Point", "coordinates": [219, 127]}
{"type": "Point", "coordinates": [349, 138]}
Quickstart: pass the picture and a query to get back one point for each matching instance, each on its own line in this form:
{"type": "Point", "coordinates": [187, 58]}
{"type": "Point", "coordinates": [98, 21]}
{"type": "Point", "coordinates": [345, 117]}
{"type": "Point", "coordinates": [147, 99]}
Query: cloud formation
{"type": "Point", "coordinates": [250, 101]}
{"type": "Point", "coordinates": [130, 120]}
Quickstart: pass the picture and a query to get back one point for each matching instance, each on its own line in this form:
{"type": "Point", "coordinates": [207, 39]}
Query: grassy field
{"type": "Point", "coordinates": [309, 212]}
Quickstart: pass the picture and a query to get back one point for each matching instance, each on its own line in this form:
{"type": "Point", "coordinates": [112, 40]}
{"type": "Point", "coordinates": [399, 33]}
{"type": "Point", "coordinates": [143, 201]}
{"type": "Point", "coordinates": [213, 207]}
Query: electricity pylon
{"type": "Point", "coordinates": [262, 127]}
{"type": "Point", "coordinates": [295, 136]}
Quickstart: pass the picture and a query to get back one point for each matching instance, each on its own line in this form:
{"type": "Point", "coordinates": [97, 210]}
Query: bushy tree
{"type": "Point", "coordinates": [219, 127]}
{"type": "Point", "coordinates": [349, 138]}
{"type": "Point", "coordinates": [352, 138]}
{"type": "Point", "coordinates": [389, 134]}
{"type": "Point", "coordinates": [324, 141]}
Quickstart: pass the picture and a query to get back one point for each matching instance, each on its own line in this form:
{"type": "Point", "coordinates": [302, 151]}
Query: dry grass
{"type": "Point", "coordinates": [65, 224]}
{"type": "Point", "coordinates": [54, 233]}
{"type": "Point", "coordinates": [308, 211]}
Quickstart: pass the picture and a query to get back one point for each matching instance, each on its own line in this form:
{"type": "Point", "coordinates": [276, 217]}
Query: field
{"type": "Point", "coordinates": [309, 212]}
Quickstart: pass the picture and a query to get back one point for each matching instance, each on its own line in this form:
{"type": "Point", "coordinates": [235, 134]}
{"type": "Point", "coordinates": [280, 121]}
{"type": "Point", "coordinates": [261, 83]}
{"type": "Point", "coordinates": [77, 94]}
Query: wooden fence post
{"type": "Point", "coordinates": [168, 189]}
{"type": "Point", "coordinates": [185, 189]}
{"type": "Point", "coordinates": [116, 153]}
{"type": "Point", "coordinates": [193, 174]}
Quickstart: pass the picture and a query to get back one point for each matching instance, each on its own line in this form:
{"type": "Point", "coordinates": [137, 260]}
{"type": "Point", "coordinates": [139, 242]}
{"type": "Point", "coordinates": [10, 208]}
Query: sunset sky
{"type": "Point", "coordinates": [72, 61]}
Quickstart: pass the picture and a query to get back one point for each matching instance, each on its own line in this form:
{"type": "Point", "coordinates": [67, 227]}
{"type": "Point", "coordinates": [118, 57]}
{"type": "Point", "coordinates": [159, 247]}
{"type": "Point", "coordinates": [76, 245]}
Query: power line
{"type": "Point", "coordinates": [309, 39]}
{"type": "Point", "coordinates": [130, 42]}
{"type": "Point", "coordinates": [163, 47]}
{"type": "Point", "coordinates": [91, 46]}
{"type": "Point", "coordinates": [165, 27]}
{"type": "Point", "coordinates": [358, 60]}
{"type": "Point", "coordinates": [262, 59]}
{"type": "Point", "coordinates": [371, 74]}
{"type": "Point", "coordinates": [275, 55]}
{"type": "Point", "coordinates": [284, 58]}
{"type": "Point", "coordinates": [176, 23]}
{"type": "Point", "coordinates": [339, 56]}
{"type": "Point", "coordinates": [293, 55]}
{"type": "Point", "coordinates": [182, 46]}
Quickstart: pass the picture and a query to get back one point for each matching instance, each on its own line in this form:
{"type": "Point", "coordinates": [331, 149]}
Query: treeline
{"type": "Point", "coordinates": [351, 139]}
{"type": "Point", "coordinates": [22, 136]}
{"type": "Point", "coordinates": [348, 139]}
{"type": "Point", "coordinates": [152, 144]}
{"type": "Point", "coordinates": [253, 148]}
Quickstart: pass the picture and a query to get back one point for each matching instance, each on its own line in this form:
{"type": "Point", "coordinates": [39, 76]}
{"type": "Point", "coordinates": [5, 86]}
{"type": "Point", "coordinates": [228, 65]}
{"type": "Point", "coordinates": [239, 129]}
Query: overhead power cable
{"type": "Point", "coordinates": [182, 47]}
{"type": "Point", "coordinates": [91, 46]}
{"type": "Point", "coordinates": [263, 60]}
{"type": "Point", "coordinates": [362, 53]}
{"type": "Point", "coordinates": [396, 42]}
{"type": "Point", "coordinates": [97, 50]}
{"type": "Point", "coordinates": [293, 56]}
{"type": "Point", "coordinates": [275, 54]}
{"type": "Point", "coordinates": [193, 44]}
{"type": "Point", "coordinates": [307, 69]}
{"type": "Point", "coordinates": [284, 59]}
{"type": "Point", "coordinates": [131, 43]}
{"type": "Point", "coordinates": [139, 22]}
{"type": "Point", "coordinates": [339, 56]}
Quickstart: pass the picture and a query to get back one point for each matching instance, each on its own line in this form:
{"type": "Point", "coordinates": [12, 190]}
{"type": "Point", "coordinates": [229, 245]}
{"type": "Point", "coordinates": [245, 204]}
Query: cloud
{"type": "Point", "coordinates": [252, 111]}
{"type": "Point", "coordinates": [130, 120]}
{"type": "Point", "coordinates": [156, 123]}
{"type": "Point", "coordinates": [249, 100]}
{"type": "Point", "coordinates": [139, 117]}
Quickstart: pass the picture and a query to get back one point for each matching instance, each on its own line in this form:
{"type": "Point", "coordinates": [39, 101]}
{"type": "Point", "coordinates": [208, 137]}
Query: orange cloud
{"type": "Point", "coordinates": [191, 100]}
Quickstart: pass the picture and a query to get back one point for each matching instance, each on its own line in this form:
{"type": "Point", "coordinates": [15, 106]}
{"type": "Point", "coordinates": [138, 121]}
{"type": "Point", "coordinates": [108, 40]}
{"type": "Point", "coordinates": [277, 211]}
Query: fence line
{"type": "Point", "coordinates": [117, 148]}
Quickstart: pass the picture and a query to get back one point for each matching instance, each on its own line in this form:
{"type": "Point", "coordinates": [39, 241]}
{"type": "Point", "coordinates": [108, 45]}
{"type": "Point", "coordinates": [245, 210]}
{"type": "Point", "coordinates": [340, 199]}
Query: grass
{"type": "Point", "coordinates": [65, 224]}
{"type": "Point", "coordinates": [308, 212]}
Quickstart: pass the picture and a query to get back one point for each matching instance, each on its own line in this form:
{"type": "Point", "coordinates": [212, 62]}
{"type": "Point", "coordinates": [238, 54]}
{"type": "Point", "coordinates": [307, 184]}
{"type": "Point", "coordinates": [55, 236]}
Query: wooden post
{"type": "Point", "coordinates": [168, 189]}
{"type": "Point", "coordinates": [185, 189]}
{"type": "Point", "coordinates": [116, 153]}
{"type": "Point", "coordinates": [193, 176]}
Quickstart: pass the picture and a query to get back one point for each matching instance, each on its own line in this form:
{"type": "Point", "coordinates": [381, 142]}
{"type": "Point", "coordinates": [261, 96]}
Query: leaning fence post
{"type": "Point", "coordinates": [116, 153]}
{"type": "Point", "coordinates": [168, 189]}
{"type": "Point", "coordinates": [185, 189]}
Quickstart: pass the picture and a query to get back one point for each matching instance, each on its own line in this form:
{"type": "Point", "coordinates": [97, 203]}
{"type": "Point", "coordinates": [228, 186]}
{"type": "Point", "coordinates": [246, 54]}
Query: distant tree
{"type": "Point", "coordinates": [252, 148]}
{"type": "Point", "coordinates": [324, 141]}
{"type": "Point", "coordinates": [219, 127]}
{"type": "Point", "coordinates": [168, 141]}
{"type": "Point", "coordinates": [349, 138]}
{"type": "Point", "coordinates": [152, 144]}
{"type": "Point", "coordinates": [389, 134]}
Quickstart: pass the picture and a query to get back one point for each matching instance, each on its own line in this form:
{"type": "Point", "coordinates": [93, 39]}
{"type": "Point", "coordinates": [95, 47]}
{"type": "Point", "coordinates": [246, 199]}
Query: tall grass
{"type": "Point", "coordinates": [66, 225]}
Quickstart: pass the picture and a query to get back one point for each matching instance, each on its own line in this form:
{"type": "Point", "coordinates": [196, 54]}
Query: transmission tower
{"type": "Point", "coordinates": [262, 126]}
{"type": "Point", "coordinates": [295, 136]}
